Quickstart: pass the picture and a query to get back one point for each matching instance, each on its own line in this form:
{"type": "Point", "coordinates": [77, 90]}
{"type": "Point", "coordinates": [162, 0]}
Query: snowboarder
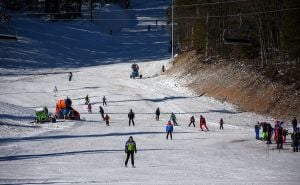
{"type": "Point", "coordinates": [87, 99]}
{"type": "Point", "coordinates": [130, 149]}
{"type": "Point", "coordinates": [279, 137]}
{"type": "Point", "coordinates": [294, 123]}
{"type": "Point", "coordinates": [104, 101]}
{"type": "Point", "coordinates": [89, 108]}
{"type": "Point", "coordinates": [148, 27]}
{"type": "Point", "coordinates": [295, 139]}
{"type": "Point", "coordinates": [106, 118]}
{"type": "Point", "coordinates": [221, 124]}
{"type": "Point", "coordinates": [157, 113]}
{"type": "Point", "coordinates": [256, 128]}
{"type": "Point", "coordinates": [169, 129]}
{"type": "Point", "coordinates": [70, 76]}
{"type": "Point", "coordinates": [192, 121]}
{"type": "Point", "coordinates": [101, 110]}
{"type": "Point", "coordinates": [131, 117]}
{"type": "Point", "coordinates": [203, 123]}
{"type": "Point", "coordinates": [173, 119]}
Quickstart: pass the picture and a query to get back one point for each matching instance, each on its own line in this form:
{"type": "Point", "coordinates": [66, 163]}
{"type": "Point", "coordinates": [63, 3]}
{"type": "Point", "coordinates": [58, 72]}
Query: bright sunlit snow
{"type": "Point", "coordinates": [87, 151]}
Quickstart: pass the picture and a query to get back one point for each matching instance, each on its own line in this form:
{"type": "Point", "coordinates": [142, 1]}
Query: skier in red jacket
{"type": "Point", "coordinates": [203, 123]}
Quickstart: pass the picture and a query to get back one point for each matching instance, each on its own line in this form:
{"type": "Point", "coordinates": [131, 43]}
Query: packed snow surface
{"type": "Point", "coordinates": [87, 151]}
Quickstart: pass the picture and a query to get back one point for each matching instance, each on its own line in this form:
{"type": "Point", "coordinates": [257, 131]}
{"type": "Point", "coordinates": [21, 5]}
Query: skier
{"type": "Point", "coordinates": [104, 101]}
{"type": "Point", "coordinates": [203, 123]}
{"type": "Point", "coordinates": [157, 113]}
{"type": "Point", "coordinates": [221, 124]}
{"type": "Point", "coordinates": [279, 137]}
{"type": "Point", "coordinates": [130, 149]}
{"type": "Point", "coordinates": [192, 121]}
{"type": "Point", "coordinates": [55, 90]}
{"type": "Point", "coordinates": [87, 99]}
{"type": "Point", "coordinates": [101, 110]}
{"type": "Point", "coordinates": [276, 126]}
{"type": "Point", "coordinates": [295, 138]}
{"type": "Point", "coordinates": [70, 76]}
{"type": "Point", "coordinates": [173, 118]}
{"type": "Point", "coordinates": [163, 68]}
{"type": "Point", "coordinates": [294, 123]}
{"type": "Point", "coordinates": [89, 108]}
{"type": "Point", "coordinates": [269, 133]}
{"type": "Point", "coordinates": [169, 129]}
{"type": "Point", "coordinates": [264, 131]}
{"type": "Point", "coordinates": [256, 128]}
{"type": "Point", "coordinates": [131, 117]}
{"type": "Point", "coordinates": [135, 70]}
{"type": "Point", "coordinates": [106, 118]}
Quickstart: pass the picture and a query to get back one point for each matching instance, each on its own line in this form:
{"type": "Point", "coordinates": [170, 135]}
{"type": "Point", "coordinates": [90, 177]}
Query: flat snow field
{"type": "Point", "coordinates": [87, 151]}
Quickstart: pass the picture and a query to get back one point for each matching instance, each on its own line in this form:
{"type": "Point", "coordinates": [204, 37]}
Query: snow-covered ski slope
{"type": "Point", "coordinates": [88, 152]}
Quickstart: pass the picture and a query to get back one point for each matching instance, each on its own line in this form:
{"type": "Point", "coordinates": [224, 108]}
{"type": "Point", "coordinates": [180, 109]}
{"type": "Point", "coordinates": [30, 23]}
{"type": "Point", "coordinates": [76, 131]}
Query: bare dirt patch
{"type": "Point", "coordinates": [237, 84]}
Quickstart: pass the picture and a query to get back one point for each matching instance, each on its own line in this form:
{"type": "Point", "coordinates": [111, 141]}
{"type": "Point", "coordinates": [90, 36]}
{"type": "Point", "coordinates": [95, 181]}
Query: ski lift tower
{"type": "Point", "coordinates": [172, 57]}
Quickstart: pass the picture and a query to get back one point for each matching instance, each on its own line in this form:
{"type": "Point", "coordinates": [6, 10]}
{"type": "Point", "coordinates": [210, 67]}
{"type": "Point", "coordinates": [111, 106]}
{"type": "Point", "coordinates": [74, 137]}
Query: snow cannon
{"type": "Point", "coordinates": [64, 110]}
{"type": "Point", "coordinates": [43, 116]}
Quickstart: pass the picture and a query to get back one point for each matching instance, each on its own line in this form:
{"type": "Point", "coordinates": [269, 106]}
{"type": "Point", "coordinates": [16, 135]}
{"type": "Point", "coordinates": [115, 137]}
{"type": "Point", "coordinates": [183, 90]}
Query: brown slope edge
{"type": "Point", "coordinates": [237, 84]}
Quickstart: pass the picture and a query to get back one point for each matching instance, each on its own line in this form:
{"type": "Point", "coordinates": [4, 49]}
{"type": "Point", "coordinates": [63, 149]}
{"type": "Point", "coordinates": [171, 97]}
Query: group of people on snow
{"type": "Point", "coordinates": [280, 133]}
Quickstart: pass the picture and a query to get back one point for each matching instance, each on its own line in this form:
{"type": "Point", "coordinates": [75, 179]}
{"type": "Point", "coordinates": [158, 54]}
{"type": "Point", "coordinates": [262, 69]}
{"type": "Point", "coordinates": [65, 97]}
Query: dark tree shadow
{"type": "Point", "coordinates": [61, 154]}
{"type": "Point", "coordinates": [57, 137]}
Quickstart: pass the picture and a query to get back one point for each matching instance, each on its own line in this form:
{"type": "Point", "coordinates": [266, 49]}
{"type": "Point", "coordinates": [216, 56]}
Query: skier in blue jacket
{"type": "Point", "coordinates": [169, 129]}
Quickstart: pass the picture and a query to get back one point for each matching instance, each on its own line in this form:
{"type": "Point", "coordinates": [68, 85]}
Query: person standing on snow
{"type": "Point", "coordinates": [221, 124]}
{"type": "Point", "coordinates": [256, 128]}
{"type": "Point", "coordinates": [264, 134]}
{"type": "Point", "coordinates": [192, 121]}
{"type": "Point", "coordinates": [157, 113]}
{"type": "Point", "coordinates": [173, 118]}
{"type": "Point", "coordinates": [87, 99]}
{"type": "Point", "coordinates": [104, 101]}
{"type": "Point", "coordinates": [89, 108]}
{"type": "Point", "coordinates": [169, 129]}
{"type": "Point", "coordinates": [130, 149]}
{"type": "Point", "coordinates": [106, 119]}
{"type": "Point", "coordinates": [131, 117]}
{"type": "Point", "coordinates": [163, 68]}
{"type": "Point", "coordinates": [295, 139]}
{"type": "Point", "coordinates": [55, 90]}
{"type": "Point", "coordinates": [101, 110]}
{"type": "Point", "coordinates": [279, 137]}
{"type": "Point", "coordinates": [203, 123]}
{"type": "Point", "coordinates": [70, 76]}
{"type": "Point", "coordinates": [294, 124]}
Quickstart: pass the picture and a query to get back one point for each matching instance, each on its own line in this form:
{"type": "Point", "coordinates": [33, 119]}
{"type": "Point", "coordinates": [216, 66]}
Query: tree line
{"type": "Point", "coordinates": [57, 9]}
{"type": "Point", "coordinates": [265, 33]}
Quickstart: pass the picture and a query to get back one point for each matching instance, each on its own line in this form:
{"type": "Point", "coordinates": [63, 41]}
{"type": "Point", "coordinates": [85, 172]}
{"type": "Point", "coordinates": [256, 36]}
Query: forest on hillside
{"type": "Point", "coordinates": [262, 34]}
